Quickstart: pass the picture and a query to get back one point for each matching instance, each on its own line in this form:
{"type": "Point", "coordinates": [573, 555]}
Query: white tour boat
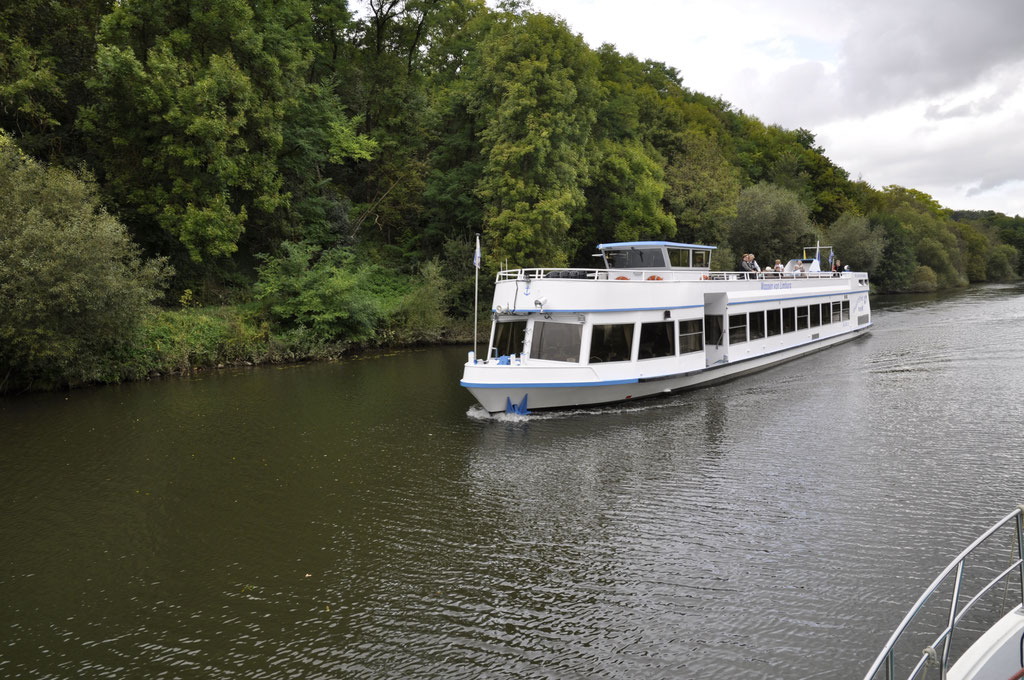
{"type": "Point", "coordinates": [654, 320]}
{"type": "Point", "coordinates": [995, 652]}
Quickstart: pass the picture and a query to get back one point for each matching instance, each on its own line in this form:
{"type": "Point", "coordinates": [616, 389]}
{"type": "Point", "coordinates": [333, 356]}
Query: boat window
{"type": "Point", "coordinates": [774, 322]}
{"type": "Point", "coordinates": [508, 337]}
{"type": "Point", "coordinates": [611, 342]}
{"type": "Point", "coordinates": [701, 258]}
{"type": "Point", "coordinates": [556, 341]}
{"type": "Point", "coordinates": [679, 257]}
{"type": "Point", "coordinates": [826, 313]}
{"type": "Point", "coordinates": [801, 318]}
{"type": "Point", "coordinates": [846, 310]}
{"type": "Point", "coordinates": [815, 315]}
{"type": "Point", "coordinates": [788, 320]}
{"type": "Point", "coordinates": [737, 328]}
{"type": "Point", "coordinates": [635, 258]}
{"type": "Point", "coordinates": [756, 325]}
{"type": "Point", "coordinates": [837, 311]}
{"type": "Point", "coordinates": [713, 330]}
{"type": "Point", "coordinates": [691, 336]}
{"type": "Point", "coordinates": [656, 340]}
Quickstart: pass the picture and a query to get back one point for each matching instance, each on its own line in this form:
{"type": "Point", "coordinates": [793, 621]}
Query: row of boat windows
{"type": "Point", "coordinates": [757, 325]}
{"type": "Point", "coordinates": [556, 341]}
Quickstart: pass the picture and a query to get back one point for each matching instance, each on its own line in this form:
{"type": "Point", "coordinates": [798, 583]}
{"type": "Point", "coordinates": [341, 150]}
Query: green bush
{"type": "Point", "coordinates": [179, 340]}
{"type": "Point", "coordinates": [924, 280]}
{"type": "Point", "coordinates": [423, 308]}
{"type": "Point", "coordinates": [72, 284]}
{"type": "Point", "coordinates": [324, 292]}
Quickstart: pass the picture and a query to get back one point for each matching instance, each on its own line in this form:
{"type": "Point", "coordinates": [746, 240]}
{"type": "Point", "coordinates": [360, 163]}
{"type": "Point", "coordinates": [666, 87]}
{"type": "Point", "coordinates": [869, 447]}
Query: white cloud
{"type": "Point", "coordinates": [922, 93]}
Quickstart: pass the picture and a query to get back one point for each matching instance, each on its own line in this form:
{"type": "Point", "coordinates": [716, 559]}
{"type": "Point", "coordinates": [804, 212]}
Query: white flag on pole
{"type": "Point", "coordinates": [476, 253]}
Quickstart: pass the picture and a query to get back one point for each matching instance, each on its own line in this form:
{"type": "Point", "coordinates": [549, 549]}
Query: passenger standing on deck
{"type": "Point", "coordinates": [836, 267]}
{"type": "Point", "coordinates": [747, 263]}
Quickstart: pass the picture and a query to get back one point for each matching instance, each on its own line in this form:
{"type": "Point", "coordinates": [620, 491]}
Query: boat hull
{"type": "Point", "coordinates": [997, 654]}
{"type": "Point", "coordinates": [587, 388]}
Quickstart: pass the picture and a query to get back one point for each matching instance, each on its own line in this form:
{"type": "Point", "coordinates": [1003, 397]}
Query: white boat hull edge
{"type": "Point", "coordinates": [997, 655]}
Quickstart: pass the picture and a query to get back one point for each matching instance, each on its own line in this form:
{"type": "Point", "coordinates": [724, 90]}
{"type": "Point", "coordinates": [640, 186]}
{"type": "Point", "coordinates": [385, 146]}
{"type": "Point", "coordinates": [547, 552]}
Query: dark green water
{"type": "Point", "coordinates": [362, 519]}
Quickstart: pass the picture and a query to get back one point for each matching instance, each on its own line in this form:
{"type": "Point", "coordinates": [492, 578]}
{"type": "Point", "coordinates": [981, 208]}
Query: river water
{"type": "Point", "coordinates": [363, 519]}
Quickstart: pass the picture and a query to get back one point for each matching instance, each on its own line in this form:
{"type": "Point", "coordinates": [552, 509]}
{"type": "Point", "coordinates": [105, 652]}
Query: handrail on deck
{"type": "Point", "coordinates": [663, 274]}
{"type": "Point", "coordinates": [886, 658]}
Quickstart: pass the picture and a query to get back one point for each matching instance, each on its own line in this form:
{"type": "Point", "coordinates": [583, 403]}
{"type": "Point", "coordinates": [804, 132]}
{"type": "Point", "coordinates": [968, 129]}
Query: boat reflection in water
{"type": "Point", "coordinates": [654, 320]}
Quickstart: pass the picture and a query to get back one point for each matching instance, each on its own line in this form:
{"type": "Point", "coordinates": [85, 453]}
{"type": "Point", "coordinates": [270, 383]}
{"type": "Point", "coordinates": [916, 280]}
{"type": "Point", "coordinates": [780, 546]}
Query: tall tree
{"type": "Point", "coordinates": [770, 222]}
{"type": "Point", "coordinates": [533, 90]}
{"type": "Point", "coordinates": [855, 243]}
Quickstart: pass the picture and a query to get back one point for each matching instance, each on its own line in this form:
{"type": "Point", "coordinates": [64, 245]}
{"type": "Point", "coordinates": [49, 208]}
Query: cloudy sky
{"type": "Point", "coordinates": [927, 94]}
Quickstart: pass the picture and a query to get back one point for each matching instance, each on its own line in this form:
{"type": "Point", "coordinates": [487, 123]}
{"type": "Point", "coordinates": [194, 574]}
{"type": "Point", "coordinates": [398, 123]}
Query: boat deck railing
{"type": "Point", "coordinates": [938, 652]}
{"type": "Point", "coordinates": [664, 275]}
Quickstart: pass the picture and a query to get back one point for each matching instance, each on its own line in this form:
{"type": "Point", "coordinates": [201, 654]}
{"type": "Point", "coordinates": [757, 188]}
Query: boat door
{"type": "Point", "coordinates": [716, 340]}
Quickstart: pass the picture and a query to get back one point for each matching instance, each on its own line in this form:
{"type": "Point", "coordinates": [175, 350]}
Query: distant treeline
{"type": "Point", "coordinates": [284, 179]}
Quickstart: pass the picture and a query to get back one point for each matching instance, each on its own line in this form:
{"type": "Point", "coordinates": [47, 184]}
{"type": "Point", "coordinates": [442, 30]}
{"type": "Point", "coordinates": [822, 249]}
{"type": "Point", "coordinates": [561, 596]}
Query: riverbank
{"type": "Point", "coordinates": [186, 340]}
{"type": "Point", "coordinates": [192, 339]}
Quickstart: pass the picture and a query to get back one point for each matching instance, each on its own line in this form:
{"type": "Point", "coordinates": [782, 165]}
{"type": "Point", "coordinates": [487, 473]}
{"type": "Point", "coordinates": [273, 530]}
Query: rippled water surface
{"type": "Point", "coordinates": [364, 519]}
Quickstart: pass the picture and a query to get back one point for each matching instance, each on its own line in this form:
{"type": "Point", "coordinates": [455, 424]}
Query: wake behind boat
{"type": "Point", "coordinates": [654, 320]}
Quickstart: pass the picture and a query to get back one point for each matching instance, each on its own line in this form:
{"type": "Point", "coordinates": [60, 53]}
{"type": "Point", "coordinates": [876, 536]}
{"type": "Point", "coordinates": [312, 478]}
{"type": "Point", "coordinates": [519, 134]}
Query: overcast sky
{"type": "Point", "coordinates": [926, 94]}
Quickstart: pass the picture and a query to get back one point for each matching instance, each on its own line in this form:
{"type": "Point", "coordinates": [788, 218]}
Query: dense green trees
{"type": "Point", "coordinates": [198, 112]}
{"type": "Point", "coordinates": [326, 167]}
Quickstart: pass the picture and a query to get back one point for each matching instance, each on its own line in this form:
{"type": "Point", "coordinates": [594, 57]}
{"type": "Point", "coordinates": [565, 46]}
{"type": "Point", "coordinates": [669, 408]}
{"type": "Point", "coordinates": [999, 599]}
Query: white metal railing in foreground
{"type": "Point", "coordinates": [661, 275]}
{"type": "Point", "coordinates": [938, 651]}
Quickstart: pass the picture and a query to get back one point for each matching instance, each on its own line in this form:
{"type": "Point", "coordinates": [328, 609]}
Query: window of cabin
{"type": "Point", "coordinates": [801, 318]}
{"type": "Point", "coordinates": [691, 336]}
{"type": "Point", "coordinates": [611, 342]}
{"type": "Point", "coordinates": [634, 258]}
{"type": "Point", "coordinates": [815, 315]}
{"type": "Point", "coordinates": [846, 310]}
{"type": "Point", "coordinates": [788, 320]}
{"type": "Point", "coordinates": [508, 337]}
{"type": "Point", "coordinates": [756, 325]}
{"type": "Point", "coordinates": [826, 313]}
{"type": "Point", "coordinates": [737, 328]}
{"type": "Point", "coordinates": [837, 311]}
{"type": "Point", "coordinates": [774, 322]}
{"type": "Point", "coordinates": [679, 257]}
{"type": "Point", "coordinates": [556, 341]}
{"type": "Point", "coordinates": [701, 258]}
{"type": "Point", "coordinates": [656, 340]}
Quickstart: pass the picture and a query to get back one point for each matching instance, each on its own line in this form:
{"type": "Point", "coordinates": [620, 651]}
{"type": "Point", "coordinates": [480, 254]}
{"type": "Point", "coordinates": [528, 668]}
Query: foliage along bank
{"type": "Point", "coordinates": [296, 176]}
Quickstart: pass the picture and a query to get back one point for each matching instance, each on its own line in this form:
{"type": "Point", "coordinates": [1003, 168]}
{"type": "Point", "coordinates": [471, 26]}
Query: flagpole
{"type": "Point", "coordinates": [476, 293]}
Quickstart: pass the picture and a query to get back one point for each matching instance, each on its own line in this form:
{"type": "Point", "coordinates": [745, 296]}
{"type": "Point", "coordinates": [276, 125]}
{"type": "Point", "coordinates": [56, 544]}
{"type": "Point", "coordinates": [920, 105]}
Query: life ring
{"type": "Point", "coordinates": [622, 278]}
{"type": "Point", "coordinates": [705, 277]}
{"type": "Point", "coordinates": [654, 277]}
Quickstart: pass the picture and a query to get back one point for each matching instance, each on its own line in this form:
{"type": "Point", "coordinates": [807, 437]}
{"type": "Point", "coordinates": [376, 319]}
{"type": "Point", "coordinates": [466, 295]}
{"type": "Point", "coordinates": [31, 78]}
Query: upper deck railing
{"type": "Point", "coordinates": [938, 652]}
{"type": "Point", "coordinates": [663, 275]}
